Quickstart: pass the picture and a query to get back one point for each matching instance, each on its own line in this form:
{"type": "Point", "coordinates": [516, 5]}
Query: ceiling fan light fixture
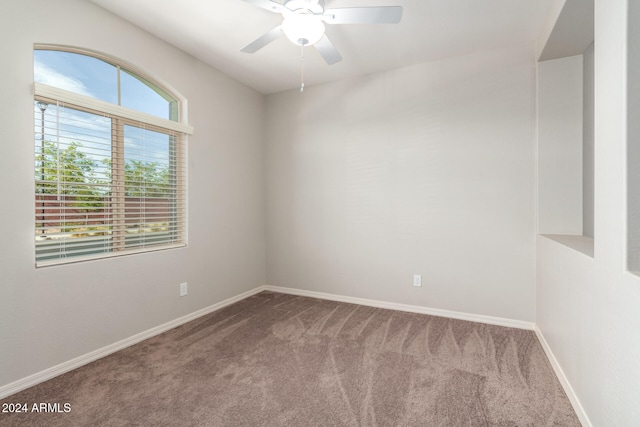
{"type": "Point", "coordinates": [302, 28]}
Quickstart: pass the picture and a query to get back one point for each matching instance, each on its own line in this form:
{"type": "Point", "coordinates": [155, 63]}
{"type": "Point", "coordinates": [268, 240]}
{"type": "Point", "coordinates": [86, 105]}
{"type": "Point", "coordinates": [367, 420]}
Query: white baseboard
{"type": "Point", "coordinates": [519, 324]}
{"type": "Point", "coordinates": [582, 416]}
{"type": "Point", "coordinates": [573, 398]}
{"type": "Point", "coordinates": [47, 374]}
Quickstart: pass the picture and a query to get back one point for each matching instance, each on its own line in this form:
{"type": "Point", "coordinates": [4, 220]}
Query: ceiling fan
{"type": "Point", "coordinates": [304, 21]}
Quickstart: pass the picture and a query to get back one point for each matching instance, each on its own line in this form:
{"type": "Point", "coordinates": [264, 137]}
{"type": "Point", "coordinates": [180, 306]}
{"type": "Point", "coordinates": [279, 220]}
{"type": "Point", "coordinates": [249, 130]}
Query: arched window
{"type": "Point", "coordinates": [109, 159]}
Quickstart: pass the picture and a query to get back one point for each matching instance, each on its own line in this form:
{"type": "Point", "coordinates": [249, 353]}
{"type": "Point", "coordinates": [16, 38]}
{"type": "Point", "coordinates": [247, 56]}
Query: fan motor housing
{"type": "Point", "coordinates": [314, 6]}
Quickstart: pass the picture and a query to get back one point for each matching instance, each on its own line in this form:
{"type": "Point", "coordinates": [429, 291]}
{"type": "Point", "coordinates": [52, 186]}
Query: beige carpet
{"type": "Point", "coordinates": [282, 360]}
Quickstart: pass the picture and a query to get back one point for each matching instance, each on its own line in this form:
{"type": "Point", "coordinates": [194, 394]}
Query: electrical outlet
{"type": "Point", "coordinates": [183, 289]}
{"type": "Point", "coordinates": [417, 280]}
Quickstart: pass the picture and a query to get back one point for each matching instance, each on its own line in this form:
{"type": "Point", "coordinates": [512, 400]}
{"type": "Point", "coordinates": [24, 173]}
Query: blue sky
{"type": "Point", "coordinates": [93, 77]}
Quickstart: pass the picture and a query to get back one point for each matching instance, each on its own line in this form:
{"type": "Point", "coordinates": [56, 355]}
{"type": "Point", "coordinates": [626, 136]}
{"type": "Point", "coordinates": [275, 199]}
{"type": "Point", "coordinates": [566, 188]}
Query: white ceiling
{"type": "Point", "coordinates": [214, 31]}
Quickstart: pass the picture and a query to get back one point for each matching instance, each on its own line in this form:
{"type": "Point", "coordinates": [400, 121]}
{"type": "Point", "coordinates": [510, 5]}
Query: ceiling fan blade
{"type": "Point", "coordinates": [364, 15]}
{"type": "Point", "coordinates": [328, 50]}
{"type": "Point", "coordinates": [263, 40]}
{"type": "Point", "coordinates": [269, 5]}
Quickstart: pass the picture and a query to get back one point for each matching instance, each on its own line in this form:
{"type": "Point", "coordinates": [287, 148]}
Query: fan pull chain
{"type": "Point", "coordinates": [301, 68]}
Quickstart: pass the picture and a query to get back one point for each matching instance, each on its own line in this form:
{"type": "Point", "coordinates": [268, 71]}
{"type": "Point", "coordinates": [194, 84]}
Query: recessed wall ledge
{"type": "Point", "coordinates": [582, 244]}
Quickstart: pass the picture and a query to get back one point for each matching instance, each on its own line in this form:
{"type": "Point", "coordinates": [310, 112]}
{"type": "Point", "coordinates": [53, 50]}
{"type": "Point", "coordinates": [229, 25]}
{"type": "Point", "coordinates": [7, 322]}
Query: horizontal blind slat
{"type": "Point", "coordinates": [97, 197]}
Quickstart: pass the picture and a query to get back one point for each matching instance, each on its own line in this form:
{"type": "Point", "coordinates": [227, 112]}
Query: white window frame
{"type": "Point", "coordinates": [53, 95]}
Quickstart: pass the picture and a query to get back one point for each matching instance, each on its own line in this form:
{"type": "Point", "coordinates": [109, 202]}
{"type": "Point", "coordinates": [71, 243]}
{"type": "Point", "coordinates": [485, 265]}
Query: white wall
{"type": "Point", "coordinates": [589, 313]}
{"type": "Point", "coordinates": [560, 111]}
{"type": "Point", "coordinates": [565, 145]}
{"type": "Point", "coordinates": [588, 129]}
{"type": "Point", "coordinates": [51, 315]}
{"type": "Point", "coordinates": [427, 169]}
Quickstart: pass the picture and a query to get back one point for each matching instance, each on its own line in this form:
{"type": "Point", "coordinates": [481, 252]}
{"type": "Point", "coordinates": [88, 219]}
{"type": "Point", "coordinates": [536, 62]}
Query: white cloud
{"type": "Point", "coordinates": [51, 77]}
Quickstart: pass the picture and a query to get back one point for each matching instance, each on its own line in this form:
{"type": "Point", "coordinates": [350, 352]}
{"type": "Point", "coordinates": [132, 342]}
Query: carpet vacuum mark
{"type": "Point", "coordinates": [283, 360]}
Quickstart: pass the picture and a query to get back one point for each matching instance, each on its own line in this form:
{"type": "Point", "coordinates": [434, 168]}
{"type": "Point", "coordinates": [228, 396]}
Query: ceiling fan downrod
{"type": "Point", "coordinates": [301, 68]}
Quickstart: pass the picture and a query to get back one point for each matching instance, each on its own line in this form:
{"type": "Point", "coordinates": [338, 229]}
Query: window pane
{"type": "Point", "coordinates": [141, 95]}
{"type": "Point", "coordinates": [150, 210]}
{"type": "Point", "coordinates": [81, 74]}
{"type": "Point", "coordinates": [73, 181]}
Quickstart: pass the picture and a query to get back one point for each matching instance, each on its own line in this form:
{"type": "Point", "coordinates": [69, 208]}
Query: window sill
{"type": "Point", "coordinates": [581, 244]}
{"type": "Point", "coordinates": [108, 255]}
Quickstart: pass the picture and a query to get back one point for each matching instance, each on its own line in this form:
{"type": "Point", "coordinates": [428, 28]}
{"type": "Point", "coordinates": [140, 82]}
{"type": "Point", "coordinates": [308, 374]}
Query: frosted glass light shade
{"type": "Point", "coordinates": [303, 29]}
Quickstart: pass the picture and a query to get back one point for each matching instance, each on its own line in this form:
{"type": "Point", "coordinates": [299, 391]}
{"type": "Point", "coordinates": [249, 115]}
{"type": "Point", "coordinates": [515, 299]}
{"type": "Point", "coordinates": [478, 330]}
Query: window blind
{"type": "Point", "coordinates": [105, 184]}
